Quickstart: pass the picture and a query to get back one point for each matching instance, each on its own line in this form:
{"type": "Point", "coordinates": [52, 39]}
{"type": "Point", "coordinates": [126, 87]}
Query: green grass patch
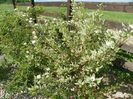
{"type": "Point", "coordinates": [108, 15]}
{"type": "Point", "coordinates": [118, 16]}
{"type": "Point", "coordinates": [6, 7]}
{"type": "Point", "coordinates": [9, 7]}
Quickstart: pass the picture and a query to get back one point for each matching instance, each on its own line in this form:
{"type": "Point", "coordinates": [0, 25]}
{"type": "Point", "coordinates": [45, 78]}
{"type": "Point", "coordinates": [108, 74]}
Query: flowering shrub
{"type": "Point", "coordinates": [58, 58]}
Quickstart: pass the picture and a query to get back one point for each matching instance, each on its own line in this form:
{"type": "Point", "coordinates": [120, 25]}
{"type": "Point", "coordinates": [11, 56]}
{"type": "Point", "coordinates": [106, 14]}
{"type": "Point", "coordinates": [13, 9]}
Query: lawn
{"type": "Point", "coordinates": [108, 15]}
{"type": "Point", "coordinates": [9, 7]}
{"type": "Point", "coordinates": [118, 16]}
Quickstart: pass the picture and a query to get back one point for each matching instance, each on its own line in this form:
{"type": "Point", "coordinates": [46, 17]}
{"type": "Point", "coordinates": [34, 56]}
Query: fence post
{"type": "Point", "coordinates": [32, 3]}
{"type": "Point", "coordinates": [33, 11]}
{"type": "Point", "coordinates": [14, 4]}
{"type": "Point", "coordinates": [69, 9]}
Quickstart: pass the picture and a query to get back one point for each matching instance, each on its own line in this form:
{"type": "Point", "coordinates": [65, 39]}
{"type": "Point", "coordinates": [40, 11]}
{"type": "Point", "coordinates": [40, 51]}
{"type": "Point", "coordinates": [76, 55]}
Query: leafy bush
{"type": "Point", "coordinates": [58, 58]}
{"type": "Point", "coordinates": [37, 10]}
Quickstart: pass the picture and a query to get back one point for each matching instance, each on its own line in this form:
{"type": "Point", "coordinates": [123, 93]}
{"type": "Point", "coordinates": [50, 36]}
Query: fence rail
{"type": "Point", "coordinates": [122, 7]}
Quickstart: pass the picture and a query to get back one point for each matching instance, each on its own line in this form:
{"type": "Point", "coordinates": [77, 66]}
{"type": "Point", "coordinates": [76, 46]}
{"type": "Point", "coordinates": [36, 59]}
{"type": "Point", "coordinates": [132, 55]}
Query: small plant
{"type": "Point", "coordinates": [58, 58]}
{"type": "Point", "coordinates": [37, 10]}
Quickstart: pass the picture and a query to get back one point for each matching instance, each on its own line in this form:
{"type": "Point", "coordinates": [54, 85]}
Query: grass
{"type": "Point", "coordinates": [118, 16]}
{"type": "Point", "coordinates": [5, 7]}
{"type": "Point", "coordinates": [9, 7]}
{"type": "Point", "coordinates": [108, 15]}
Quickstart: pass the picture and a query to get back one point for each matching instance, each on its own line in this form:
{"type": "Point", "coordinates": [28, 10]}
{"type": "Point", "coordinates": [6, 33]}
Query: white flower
{"type": "Point", "coordinates": [34, 33]}
{"type": "Point", "coordinates": [15, 9]}
{"type": "Point", "coordinates": [63, 22]}
{"type": "Point", "coordinates": [33, 41]}
{"type": "Point", "coordinates": [72, 21]}
{"type": "Point", "coordinates": [29, 88]}
{"type": "Point", "coordinates": [109, 43]}
{"type": "Point", "coordinates": [30, 21]}
{"type": "Point", "coordinates": [47, 69]}
{"type": "Point", "coordinates": [71, 31]}
{"type": "Point", "coordinates": [30, 18]}
{"type": "Point", "coordinates": [45, 21]}
{"type": "Point", "coordinates": [85, 20]}
{"type": "Point", "coordinates": [27, 52]}
{"type": "Point", "coordinates": [38, 76]}
{"type": "Point", "coordinates": [73, 10]}
{"type": "Point", "coordinates": [25, 44]}
{"type": "Point", "coordinates": [28, 8]}
{"type": "Point", "coordinates": [69, 21]}
{"type": "Point", "coordinates": [72, 89]}
{"type": "Point", "coordinates": [27, 56]}
{"type": "Point", "coordinates": [131, 26]}
{"type": "Point", "coordinates": [36, 24]}
{"type": "Point", "coordinates": [120, 31]}
{"type": "Point", "coordinates": [54, 19]}
{"type": "Point", "coordinates": [110, 31]}
{"type": "Point", "coordinates": [23, 15]}
{"type": "Point", "coordinates": [97, 31]}
{"type": "Point", "coordinates": [35, 37]}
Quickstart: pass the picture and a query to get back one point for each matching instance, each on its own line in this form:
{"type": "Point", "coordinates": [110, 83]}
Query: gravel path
{"type": "Point", "coordinates": [125, 92]}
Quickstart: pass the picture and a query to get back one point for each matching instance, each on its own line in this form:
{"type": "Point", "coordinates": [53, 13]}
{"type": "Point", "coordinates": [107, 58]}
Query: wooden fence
{"type": "Point", "coordinates": [109, 6]}
{"type": "Point", "coordinates": [112, 6]}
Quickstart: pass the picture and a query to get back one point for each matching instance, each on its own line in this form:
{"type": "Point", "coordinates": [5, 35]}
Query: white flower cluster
{"type": "Point", "coordinates": [30, 20]}
{"type": "Point", "coordinates": [38, 76]}
{"type": "Point", "coordinates": [28, 8]}
{"type": "Point", "coordinates": [15, 9]}
{"type": "Point", "coordinates": [34, 37]}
